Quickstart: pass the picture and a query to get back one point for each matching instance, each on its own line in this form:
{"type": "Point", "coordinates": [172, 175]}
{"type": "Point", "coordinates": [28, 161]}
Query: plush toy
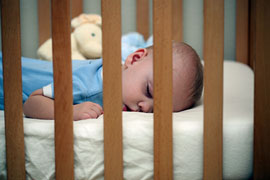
{"type": "Point", "coordinates": [86, 39]}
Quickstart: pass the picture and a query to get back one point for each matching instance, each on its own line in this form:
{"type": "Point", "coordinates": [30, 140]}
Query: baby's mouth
{"type": "Point", "coordinates": [126, 108]}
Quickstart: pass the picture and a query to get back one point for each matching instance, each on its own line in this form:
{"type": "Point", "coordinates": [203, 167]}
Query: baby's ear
{"type": "Point", "coordinates": [136, 56]}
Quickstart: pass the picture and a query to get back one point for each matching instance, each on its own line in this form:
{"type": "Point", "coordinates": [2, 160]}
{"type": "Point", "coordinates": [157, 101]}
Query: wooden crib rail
{"type": "Point", "coordinates": [142, 18]}
{"type": "Point", "coordinates": [44, 17]}
{"type": "Point", "coordinates": [63, 100]}
{"type": "Point", "coordinates": [112, 91]}
{"type": "Point", "coordinates": [163, 152]}
{"type": "Point", "coordinates": [213, 87]}
{"type": "Point", "coordinates": [11, 40]}
{"type": "Point", "coordinates": [242, 31]}
{"type": "Point", "coordinates": [44, 20]}
{"type": "Point", "coordinates": [76, 7]}
{"type": "Point", "coordinates": [177, 16]}
{"type": "Point", "coordinates": [262, 90]}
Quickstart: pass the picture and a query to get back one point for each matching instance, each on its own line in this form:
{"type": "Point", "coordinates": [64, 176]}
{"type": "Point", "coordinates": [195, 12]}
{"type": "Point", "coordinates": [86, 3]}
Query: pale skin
{"type": "Point", "coordinates": [42, 107]}
{"type": "Point", "coordinates": [137, 88]}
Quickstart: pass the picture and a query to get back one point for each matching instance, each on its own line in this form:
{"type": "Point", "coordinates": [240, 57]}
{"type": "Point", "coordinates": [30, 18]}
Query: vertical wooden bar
{"type": "Point", "coordinates": [177, 20]}
{"type": "Point", "coordinates": [63, 108]}
{"type": "Point", "coordinates": [112, 89]}
{"type": "Point", "coordinates": [44, 20]}
{"type": "Point", "coordinates": [252, 34]}
{"type": "Point", "coordinates": [262, 90]}
{"type": "Point", "coordinates": [213, 87]}
{"type": "Point", "coordinates": [163, 153]}
{"type": "Point", "coordinates": [76, 8]}
{"type": "Point", "coordinates": [11, 48]}
{"type": "Point", "coordinates": [242, 31]}
{"type": "Point", "coordinates": [142, 17]}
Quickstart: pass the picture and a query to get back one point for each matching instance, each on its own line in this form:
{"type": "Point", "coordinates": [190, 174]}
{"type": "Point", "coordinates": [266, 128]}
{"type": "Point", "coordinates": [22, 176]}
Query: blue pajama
{"type": "Point", "coordinates": [36, 74]}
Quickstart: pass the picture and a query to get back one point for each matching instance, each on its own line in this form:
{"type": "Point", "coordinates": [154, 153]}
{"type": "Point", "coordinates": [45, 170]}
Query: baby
{"type": "Point", "coordinates": [137, 79]}
{"type": "Point", "coordinates": [137, 84]}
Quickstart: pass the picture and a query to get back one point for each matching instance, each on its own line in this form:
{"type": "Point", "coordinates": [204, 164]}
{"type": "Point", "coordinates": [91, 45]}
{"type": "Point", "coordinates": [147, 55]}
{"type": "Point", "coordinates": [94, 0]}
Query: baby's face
{"type": "Point", "coordinates": [137, 85]}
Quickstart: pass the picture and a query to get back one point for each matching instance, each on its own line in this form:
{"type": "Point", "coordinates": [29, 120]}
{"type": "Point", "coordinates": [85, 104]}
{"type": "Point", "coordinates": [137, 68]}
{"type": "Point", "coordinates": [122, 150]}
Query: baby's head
{"type": "Point", "coordinates": [137, 82]}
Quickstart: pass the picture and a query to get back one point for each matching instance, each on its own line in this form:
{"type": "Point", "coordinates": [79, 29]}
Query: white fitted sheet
{"type": "Point", "coordinates": [138, 139]}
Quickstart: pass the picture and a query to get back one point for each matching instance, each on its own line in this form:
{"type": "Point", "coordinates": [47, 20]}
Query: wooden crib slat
{"type": "Point", "coordinates": [262, 90]}
{"type": "Point", "coordinates": [11, 49]}
{"type": "Point", "coordinates": [242, 31]}
{"type": "Point", "coordinates": [63, 109]}
{"type": "Point", "coordinates": [112, 89]}
{"type": "Point", "coordinates": [163, 166]}
{"type": "Point", "coordinates": [213, 87]}
{"type": "Point", "coordinates": [44, 20]}
{"type": "Point", "coordinates": [252, 30]}
{"type": "Point", "coordinates": [76, 8]}
{"type": "Point", "coordinates": [142, 19]}
{"type": "Point", "coordinates": [177, 20]}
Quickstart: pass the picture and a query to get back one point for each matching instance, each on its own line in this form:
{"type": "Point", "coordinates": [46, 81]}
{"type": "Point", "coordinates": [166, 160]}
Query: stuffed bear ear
{"type": "Point", "coordinates": [94, 18]}
{"type": "Point", "coordinates": [86, 18]}
{"type": "Point", "coordinates": [77, 21]}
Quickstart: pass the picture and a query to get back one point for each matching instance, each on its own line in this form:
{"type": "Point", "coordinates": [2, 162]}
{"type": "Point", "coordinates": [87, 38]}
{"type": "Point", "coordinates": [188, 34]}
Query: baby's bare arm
{"type": "Point", "coordinates": [39, 106]}
{"type": "Point", "coordinates": [42, 107]}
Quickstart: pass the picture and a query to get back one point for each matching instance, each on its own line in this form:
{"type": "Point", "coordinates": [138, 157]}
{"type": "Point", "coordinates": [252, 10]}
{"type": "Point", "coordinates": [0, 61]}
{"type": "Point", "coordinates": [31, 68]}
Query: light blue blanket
{"type": "Point", "coordinates": [133, 41]}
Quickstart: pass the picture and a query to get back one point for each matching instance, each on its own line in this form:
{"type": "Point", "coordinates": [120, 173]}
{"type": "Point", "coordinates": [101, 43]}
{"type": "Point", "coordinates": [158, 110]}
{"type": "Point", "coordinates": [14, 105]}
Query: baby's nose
{"type": "Point", "coordinates": [146, 107]}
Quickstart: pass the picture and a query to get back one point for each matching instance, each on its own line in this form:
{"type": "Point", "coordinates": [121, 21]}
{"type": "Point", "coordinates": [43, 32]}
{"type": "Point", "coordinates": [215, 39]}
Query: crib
{"type": "Point", "coordinates": [252, 48]}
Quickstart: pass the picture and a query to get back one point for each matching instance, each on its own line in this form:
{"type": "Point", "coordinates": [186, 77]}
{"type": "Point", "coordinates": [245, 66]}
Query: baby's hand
{"type": "Point", "coordinates": [86, 110]}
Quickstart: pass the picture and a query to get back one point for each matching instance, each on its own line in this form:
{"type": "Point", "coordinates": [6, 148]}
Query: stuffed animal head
{"type": "Point", "coordinates": [88, 35]}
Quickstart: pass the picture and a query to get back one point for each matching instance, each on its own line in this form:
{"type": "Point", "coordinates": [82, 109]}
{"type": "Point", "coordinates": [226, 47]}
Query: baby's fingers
{"type": "Point", "coordinates": [88, 114]}
{"type": "Point", "coordinates": [97, 110]}
{"type": "Point", "coordinates": [87, 110]}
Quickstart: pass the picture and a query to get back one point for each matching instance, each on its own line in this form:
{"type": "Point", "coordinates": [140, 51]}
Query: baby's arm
{"type": "Point", "coordinates": [42, 107]}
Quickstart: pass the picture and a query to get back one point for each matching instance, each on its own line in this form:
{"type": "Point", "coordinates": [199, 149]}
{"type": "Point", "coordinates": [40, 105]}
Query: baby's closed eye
{"type": "Point", "coordinates": [148, 93]}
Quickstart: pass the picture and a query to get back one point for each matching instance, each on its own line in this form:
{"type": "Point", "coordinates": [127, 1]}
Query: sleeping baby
{"type": "Point", "coordinates": [137, 84]}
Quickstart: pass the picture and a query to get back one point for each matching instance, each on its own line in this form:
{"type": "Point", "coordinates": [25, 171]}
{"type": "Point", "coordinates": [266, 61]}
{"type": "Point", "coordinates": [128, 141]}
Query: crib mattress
{"type": "Point", "coordinates": [138, 139]}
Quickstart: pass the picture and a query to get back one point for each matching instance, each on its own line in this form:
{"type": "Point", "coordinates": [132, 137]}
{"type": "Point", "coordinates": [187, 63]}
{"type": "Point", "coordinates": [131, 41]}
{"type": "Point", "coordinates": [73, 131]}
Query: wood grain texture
{"type": "Point", "coordinates": [76, 8]}
{"type": "Point", "coordinates": [242, 31]}
{"type": "Point", "coordinates": [142, 17]}
{"type": "Point", "coordinates": [177, 20]}
{"type": "Point", "coordinates": [11, 49]}
{"type": "Point", "coordinates": [213, 87]}
{"type": "Point", "coordinates": [63, 108]}
{"type": "Point", "coordinates": [44, 20]}
{"type": "Point", "coordinates": [112, 89]}
{"type": "Point", "coordinates": [163, 153]}
{"type": "Point", "coordinates": [262, 92]}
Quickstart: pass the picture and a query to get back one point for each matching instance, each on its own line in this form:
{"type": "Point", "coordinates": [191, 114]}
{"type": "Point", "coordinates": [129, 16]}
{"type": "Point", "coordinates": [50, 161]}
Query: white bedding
{"type": "Point", "coordinates": [138, 139]}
